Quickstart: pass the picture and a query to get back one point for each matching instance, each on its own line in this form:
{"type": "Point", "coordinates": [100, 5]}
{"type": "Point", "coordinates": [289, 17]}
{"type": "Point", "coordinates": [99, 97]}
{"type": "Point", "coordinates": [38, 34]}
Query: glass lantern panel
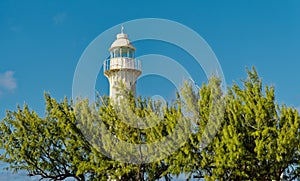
{"type": "Point", "coordinates": [122, 52]}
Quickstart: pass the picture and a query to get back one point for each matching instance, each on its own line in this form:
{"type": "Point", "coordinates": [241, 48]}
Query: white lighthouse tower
{"type": "Point", "coordinates": [121, 66]}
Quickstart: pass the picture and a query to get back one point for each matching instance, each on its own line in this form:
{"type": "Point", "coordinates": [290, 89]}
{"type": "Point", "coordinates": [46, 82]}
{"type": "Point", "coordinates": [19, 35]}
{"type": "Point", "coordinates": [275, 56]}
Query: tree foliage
{"type": "Point", "coordinates": [258, 140]}
{"type": "Point", "coordinates": [50, 147]}
{"type": "Point", "coordinates": [241, 134]}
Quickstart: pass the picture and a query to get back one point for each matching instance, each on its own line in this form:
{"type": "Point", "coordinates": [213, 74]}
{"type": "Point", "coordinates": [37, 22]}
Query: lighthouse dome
{"type": "Point", "coordinates": [121, 41]}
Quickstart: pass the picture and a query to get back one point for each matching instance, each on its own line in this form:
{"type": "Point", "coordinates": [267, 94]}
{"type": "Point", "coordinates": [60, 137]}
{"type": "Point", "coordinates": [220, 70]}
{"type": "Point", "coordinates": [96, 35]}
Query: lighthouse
{"type": "Point", "coordinates": [121, 66]}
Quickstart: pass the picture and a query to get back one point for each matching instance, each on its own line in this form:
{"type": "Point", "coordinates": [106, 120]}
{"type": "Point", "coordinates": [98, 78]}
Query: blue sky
{"type": "Point", "coordinates": [42, 41]}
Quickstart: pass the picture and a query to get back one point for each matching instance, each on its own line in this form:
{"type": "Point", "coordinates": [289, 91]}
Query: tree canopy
{"type": "Point", "coordinates": [238, 134]}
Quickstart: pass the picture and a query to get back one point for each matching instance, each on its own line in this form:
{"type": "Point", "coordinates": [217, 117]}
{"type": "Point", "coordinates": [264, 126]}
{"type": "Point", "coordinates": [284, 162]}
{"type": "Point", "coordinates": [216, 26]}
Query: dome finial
{"type": "Point", "coordinates": [122, 29]}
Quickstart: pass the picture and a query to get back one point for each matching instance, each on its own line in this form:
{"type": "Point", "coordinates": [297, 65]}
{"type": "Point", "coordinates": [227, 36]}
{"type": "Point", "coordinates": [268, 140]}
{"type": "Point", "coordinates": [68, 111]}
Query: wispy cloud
{"type": "Point", "coordinates": [7, 82]}
{"type": "Point", "coordinates": [60, 18]}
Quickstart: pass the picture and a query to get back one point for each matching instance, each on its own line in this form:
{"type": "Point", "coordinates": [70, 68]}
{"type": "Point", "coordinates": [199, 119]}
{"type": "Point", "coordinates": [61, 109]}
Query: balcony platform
{"type": "Point", "coordinates": [121, 63]}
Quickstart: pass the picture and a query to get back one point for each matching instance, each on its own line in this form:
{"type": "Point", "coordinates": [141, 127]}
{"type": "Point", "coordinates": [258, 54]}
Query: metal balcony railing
{"type": "Point", "coordinates": [122, 63]}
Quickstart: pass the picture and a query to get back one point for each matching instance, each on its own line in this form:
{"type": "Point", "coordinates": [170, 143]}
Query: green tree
{"type": "Point", "coordinates": [258, 139]}
{"type": "Point", "coordinates": [204, 107]}
{"type": "Point", "coordinates": [58, 145]}
{"type": "Point", "coordinates": [241, 134]}
{"type": "Point", "coordinates": [49, 147]}
{"type": "Point", "coordinates": [106, 116]}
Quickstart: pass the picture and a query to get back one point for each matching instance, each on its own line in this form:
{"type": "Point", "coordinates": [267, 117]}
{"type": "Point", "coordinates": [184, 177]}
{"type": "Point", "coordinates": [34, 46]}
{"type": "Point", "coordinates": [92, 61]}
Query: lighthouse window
{"type": "Point", "coordinates": [116, 52]}
{"type": "Point", "coordinates": [124, 51]}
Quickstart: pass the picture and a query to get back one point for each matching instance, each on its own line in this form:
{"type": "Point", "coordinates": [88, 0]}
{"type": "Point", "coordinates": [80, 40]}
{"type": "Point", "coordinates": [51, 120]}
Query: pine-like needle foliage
{"type": "Point", "coordinates": [238, 134]}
